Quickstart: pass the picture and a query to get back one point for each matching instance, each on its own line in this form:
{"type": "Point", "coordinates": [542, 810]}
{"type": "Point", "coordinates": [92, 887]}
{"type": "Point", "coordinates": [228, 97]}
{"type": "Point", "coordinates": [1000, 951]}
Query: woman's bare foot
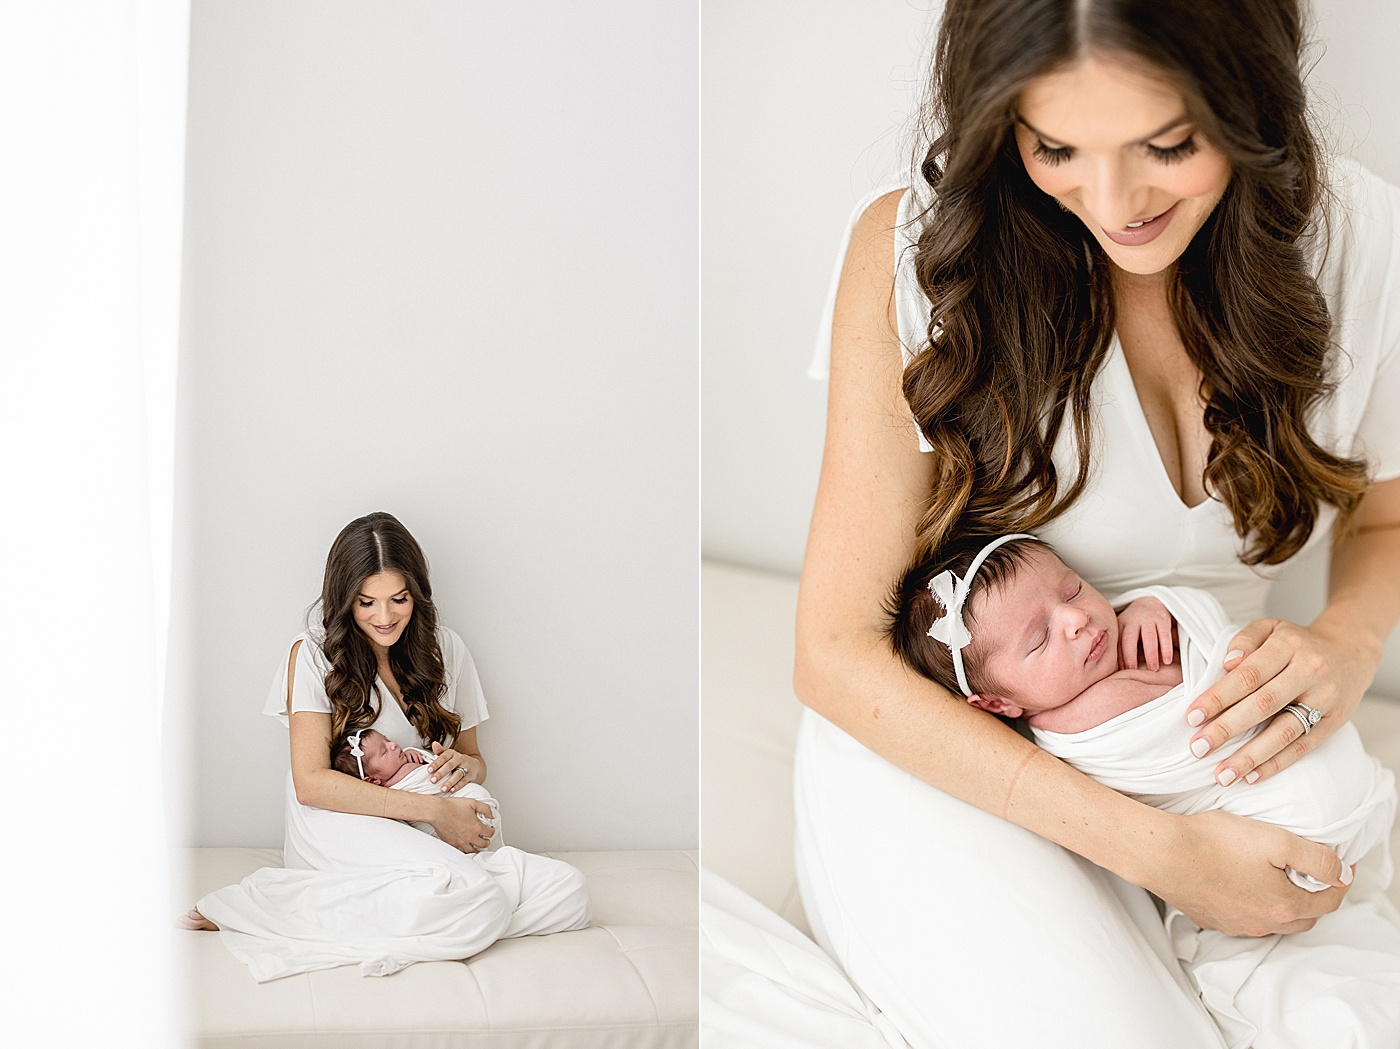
{"type": "Point", "coordinates": [195, 920]}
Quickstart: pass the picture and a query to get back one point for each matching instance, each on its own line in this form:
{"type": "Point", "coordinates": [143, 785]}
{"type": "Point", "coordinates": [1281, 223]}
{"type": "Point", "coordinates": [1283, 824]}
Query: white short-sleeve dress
{"type": "Point", "coordinates": [376, 890]}
{"type": "Point", "coordinates": [969, 931]}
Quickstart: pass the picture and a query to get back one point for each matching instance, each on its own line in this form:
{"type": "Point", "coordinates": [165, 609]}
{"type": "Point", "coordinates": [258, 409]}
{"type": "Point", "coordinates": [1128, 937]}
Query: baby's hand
{"type": "Point", "coordinates": [1147, 622]}
{"type": "Point", "coordinates": [414, 756]}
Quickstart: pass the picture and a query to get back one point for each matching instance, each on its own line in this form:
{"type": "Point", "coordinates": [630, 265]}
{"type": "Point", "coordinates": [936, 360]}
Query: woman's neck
{"type": "Point", "coordinates": [1138, 290]}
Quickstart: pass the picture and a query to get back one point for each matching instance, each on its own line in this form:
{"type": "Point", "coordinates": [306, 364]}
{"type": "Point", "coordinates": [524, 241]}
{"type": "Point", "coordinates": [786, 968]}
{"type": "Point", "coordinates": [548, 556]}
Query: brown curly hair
{"type": "Point", "coordinates": [365, 547]}
{"type": "Point", "coordinates": [1023, 311]}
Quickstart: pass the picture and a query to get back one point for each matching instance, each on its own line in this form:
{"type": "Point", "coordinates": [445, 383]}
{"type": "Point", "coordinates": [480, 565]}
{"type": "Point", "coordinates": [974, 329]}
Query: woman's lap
{"type": "Point", "coordinates": [968, 931]}
{"type": "Point", "coordinates": [536, 893]}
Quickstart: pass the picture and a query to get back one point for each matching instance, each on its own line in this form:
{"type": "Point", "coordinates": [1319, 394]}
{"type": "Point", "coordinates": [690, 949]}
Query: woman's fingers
{"type": "Point", "coordinates": [1320, 862]}
{"type": "Point", "coordinates": [450, 782]}
{"type": "Point", "coordinates": [1275, 748]}
{"type": "Point", "coordinates": [1270, 696]}
{"type": "Point", "coordinates": [1242, 678]}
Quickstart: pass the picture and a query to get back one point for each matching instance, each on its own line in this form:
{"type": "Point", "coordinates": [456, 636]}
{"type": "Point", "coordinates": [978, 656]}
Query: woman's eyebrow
{"type": "Point", "coordinates": [1170, 125]}
{"type": "Point", "coordinates": [367, 597]}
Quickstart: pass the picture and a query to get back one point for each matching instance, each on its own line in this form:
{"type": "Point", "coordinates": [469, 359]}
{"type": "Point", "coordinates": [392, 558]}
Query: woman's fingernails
{"type": "Point", "coordinates": [1195, 717]}
{"type": "Point", "coordinates": [1200, 746]}
{"type": "Point", "coordinates": [1347, 874]}
{"type": "Point", "coordinates": [1226, 778]}
{"type": "Point", "coordinates": [1234, 653]}
{"type": "Point", "coordinates": [1252, 777]}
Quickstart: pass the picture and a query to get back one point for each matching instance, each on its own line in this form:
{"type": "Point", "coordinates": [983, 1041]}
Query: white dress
{"type": "Point", "coordinates": [375, 891]}
{"type": "Point", "coordinates": [968, 931]}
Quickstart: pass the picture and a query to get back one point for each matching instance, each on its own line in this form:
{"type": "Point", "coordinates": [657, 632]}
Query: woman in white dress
{"type": "Point", "coordinates": [375, 656]}
{"type": "Point", "coordinates": [1122, 310]}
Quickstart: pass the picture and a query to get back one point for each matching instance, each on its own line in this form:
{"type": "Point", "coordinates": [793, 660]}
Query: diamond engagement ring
{"type": "Point", "coordinates": [1307, 716]}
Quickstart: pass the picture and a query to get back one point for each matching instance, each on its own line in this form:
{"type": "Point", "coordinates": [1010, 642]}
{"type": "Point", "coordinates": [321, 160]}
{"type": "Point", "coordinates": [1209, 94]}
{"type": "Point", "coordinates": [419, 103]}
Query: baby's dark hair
{"type": "Point", "coordinates": [341, 758]}
{"type": "Point", "coordinates": [912, 607]}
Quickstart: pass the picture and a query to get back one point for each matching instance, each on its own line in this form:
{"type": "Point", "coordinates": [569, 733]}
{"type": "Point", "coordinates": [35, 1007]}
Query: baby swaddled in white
{"type": "Point", "coordinates": [1048, 648]}
{"type": "Point", "coordinates": [384, 763]}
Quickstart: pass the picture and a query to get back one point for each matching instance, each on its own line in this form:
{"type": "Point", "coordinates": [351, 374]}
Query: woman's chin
{"type": "Point", "coordinates": [1146, 261]}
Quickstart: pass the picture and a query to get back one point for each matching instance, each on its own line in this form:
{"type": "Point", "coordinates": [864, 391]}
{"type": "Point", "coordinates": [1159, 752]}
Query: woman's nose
{"type": "Point", "coordinates": [1110, 198]}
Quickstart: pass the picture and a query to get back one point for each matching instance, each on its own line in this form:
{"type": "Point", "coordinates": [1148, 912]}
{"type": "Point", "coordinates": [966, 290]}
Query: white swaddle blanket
{"type": "Point", "coordinates": [1337, 795]}
{"type": "Point", "coordinates": [418, 781]}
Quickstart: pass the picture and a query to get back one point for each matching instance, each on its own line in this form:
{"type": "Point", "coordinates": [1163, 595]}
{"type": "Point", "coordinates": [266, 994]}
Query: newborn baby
{"type": "Point", "coordinates": [384, 763]}
{"type": "Point", "coordinates": [1019, 634]}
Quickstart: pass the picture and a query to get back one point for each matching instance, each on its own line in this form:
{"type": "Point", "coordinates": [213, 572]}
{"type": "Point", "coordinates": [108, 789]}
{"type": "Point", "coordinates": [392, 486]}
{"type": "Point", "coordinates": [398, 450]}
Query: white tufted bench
{"type": "Point", "coordinates": [629, 981]}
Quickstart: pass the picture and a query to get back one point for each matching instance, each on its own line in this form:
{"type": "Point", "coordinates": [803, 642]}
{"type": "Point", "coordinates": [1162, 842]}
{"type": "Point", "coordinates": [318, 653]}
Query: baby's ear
{"type": "Point", "coordinates": [375, 780]}
{"type": "Point", "coordinates": [995, 705]}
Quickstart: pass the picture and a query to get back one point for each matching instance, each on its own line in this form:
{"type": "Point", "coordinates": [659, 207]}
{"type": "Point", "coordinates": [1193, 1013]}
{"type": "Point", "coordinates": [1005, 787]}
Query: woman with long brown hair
{"type": "Point", "coordinates": [1128, 306]}
{"type": "Point", "coordinates": [374, 656]}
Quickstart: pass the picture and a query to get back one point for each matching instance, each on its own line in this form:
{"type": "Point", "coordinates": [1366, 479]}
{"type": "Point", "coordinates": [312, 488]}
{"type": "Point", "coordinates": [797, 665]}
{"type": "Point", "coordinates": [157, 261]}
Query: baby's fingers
{"type": "Point", "coordinates": [1128, 644]}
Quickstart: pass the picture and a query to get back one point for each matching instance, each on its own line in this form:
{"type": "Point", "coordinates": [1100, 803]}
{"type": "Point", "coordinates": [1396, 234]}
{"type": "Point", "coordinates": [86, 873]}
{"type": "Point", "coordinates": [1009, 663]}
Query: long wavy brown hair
{"type": "Point", "coordinates": [365, 547]}
{"type": "Point", "coordinates": [1021, 291]}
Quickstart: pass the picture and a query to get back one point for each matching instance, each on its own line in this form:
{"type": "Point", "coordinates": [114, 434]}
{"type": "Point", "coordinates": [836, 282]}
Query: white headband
{"type": "Point", "coordinates": [354, 740]}
{"type": "Point", "coordinates": [952, 595]}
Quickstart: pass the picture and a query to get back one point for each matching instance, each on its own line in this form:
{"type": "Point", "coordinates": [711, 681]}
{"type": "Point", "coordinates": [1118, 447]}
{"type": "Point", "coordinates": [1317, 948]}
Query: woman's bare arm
{"type": "Point", "coordinates": [873, 484]}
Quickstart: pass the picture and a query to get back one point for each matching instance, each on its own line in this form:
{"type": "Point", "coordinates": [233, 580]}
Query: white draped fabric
{"type": "Point", "coordinates": [92, 116]}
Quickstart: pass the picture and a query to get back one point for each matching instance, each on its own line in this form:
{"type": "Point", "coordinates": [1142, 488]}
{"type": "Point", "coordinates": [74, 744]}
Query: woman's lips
{"type": "Point", "coordinates": [387, 629]}
{"type": "Point", "coordinates": [1148, 231]}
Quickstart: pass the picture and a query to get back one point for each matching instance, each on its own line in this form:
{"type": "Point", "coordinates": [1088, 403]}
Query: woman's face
{"type": "Point", "coordinates": [1114, 145]}
{"type": "Point", "coordinates": [384, 607]}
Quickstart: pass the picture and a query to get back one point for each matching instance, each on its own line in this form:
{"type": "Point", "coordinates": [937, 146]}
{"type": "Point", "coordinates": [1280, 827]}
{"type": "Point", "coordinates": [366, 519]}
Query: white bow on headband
{"type": "Point", "coordinates": [952, 595]}
{"type": "Point", "coordinates": [354, 740]}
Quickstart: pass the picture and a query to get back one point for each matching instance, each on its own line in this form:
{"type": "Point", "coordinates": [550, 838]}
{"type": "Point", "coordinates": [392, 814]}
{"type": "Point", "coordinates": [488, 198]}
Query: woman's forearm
{"type": "Point", "coordinates": [967, 753]}
{"type": "Point", "coordinates": [1363, 602]}
{"type": "Point", "coordinates": [329, 789]}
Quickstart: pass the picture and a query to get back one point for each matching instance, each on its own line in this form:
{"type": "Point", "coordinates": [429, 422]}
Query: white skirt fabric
{"type": "Point", "coordinates": [968, 932]}
{"type": "Point", "coordinates": [336, 903]}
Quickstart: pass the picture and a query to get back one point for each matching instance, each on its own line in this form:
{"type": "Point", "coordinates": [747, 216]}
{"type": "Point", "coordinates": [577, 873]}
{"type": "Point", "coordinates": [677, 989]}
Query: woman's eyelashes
{"type": "Point", "coordinates": [1052, 155]}
{"type": "Point", "coordinates": [395, 600]}
{"type": "Point", "coordinates": [1172, 154]}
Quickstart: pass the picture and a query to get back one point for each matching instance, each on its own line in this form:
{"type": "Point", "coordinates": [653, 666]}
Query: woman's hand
{"type": "Point", "coordinates": [1226, 872]}
{"type": "Point", "coordinates": [452, 769]}
{"type": "Point", "coordinates": [1326, 666]}
{"type": "Point", "coordinates": [461, 823]}
{"type": "Point", "coordinates": [1281, 663]}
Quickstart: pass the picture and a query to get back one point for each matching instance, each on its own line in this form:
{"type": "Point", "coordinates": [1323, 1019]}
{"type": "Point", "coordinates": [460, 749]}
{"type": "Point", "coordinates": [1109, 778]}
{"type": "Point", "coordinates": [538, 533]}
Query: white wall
{"type": "Point", "coordinates": [441, 261]}
{"type": "Point", "coordinates": [805, 110]}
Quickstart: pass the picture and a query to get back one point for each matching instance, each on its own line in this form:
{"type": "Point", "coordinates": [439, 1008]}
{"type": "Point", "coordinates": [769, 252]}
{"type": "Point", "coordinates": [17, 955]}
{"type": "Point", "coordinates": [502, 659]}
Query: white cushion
{"type": "Point", "coordinates": [748, 732]}
{"type": "Point", "coordinates": [629, 980]}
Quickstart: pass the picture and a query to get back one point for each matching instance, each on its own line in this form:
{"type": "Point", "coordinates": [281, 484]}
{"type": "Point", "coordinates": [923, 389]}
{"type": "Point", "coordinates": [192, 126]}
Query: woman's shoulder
{"type": "Point", "coordinates": [451, 644]}
{"type": "Point", "coordinates": [869, 248]}
{"type": "Point", "coordinates": [1356, 247]}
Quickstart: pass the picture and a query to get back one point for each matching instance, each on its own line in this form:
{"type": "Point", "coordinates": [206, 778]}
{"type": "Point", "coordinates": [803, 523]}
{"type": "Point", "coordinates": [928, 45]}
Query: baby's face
{"type": "Point", "coordinates": [382, 758]}
{"type": "Point", "coordinates": [1044, 636]}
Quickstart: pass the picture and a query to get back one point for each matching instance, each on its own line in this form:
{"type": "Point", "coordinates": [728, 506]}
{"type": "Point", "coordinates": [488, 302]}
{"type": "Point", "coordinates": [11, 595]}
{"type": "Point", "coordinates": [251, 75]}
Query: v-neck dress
{"type": "Point", "coordinates": [969, 932]}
